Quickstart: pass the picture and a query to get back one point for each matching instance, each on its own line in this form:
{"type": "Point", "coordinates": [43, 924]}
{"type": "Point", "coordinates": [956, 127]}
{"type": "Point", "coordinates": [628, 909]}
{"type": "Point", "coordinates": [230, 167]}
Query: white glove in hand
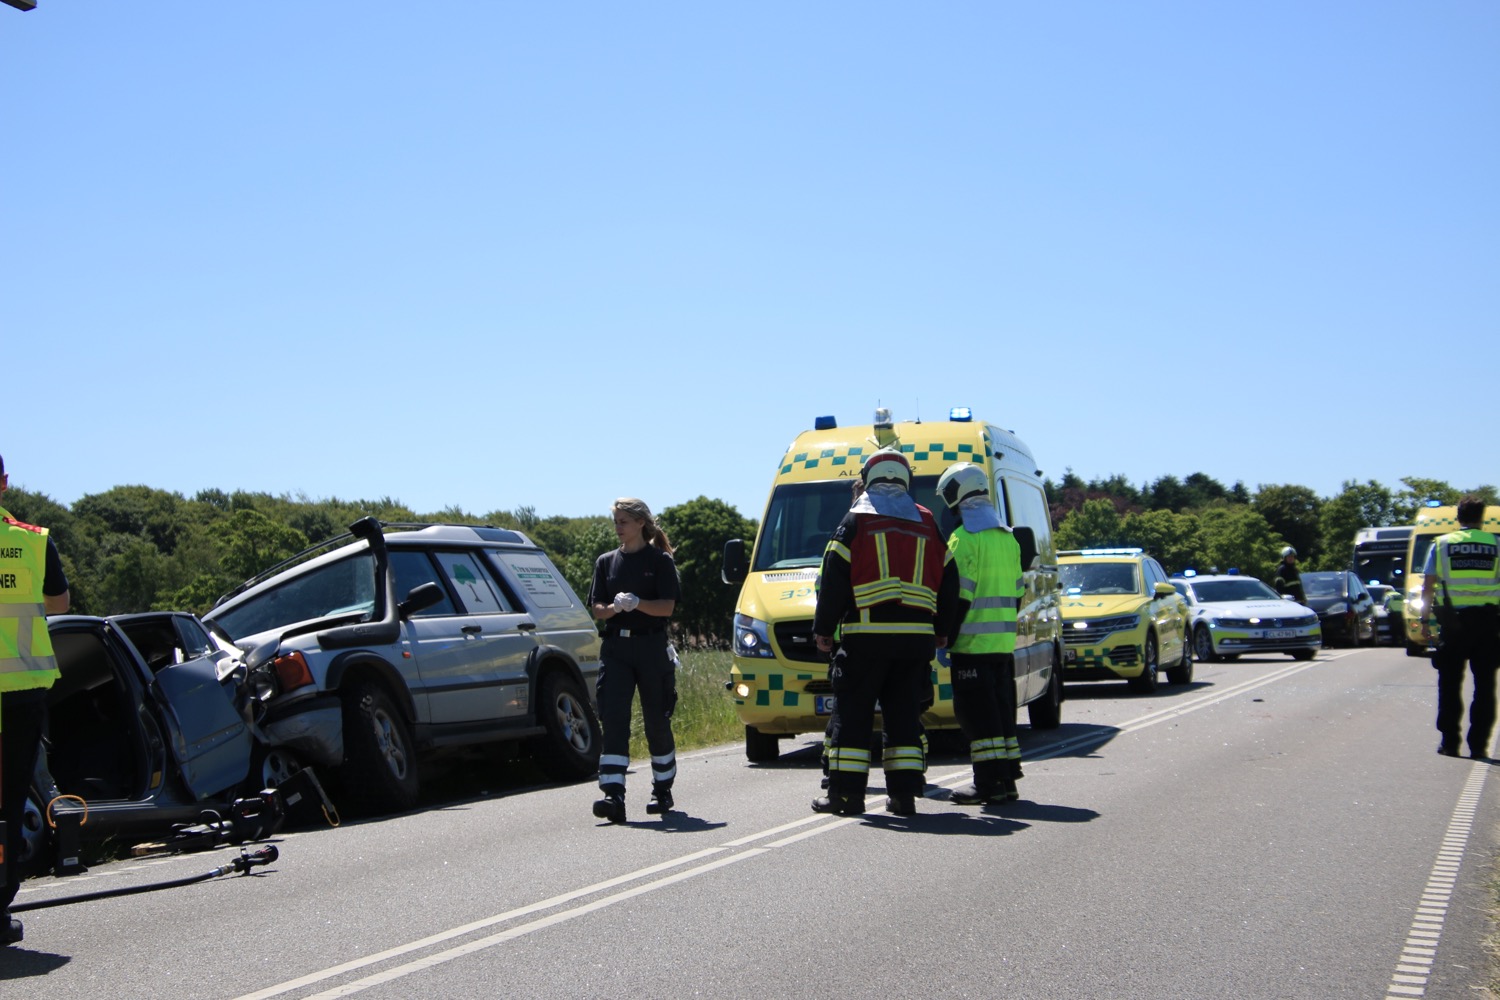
{"type": "Point", "coordinates": [626, 602]}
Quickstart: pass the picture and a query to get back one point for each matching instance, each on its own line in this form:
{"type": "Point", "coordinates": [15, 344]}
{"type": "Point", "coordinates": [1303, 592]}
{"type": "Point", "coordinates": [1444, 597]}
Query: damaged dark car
{"type": "Point", "coordinates": [149, 726]}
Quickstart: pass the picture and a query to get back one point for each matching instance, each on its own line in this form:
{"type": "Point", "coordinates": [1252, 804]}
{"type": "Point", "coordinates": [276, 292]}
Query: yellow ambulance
{"type": "Point", "coordinates": [1432, 523]}
{"type": "Point", "coordinates": [779, 681]}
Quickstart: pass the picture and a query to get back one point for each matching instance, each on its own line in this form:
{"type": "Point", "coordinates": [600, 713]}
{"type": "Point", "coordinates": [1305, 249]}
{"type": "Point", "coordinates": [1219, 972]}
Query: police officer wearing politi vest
{"type": "Point", "coordinates": [983, 650]}
{"type": "Point", "coordinates": [1462, 574]}
{"type": "Point", "coordinates": [890, 587]}
{"type": "Point", "coordinates": [32, 586]}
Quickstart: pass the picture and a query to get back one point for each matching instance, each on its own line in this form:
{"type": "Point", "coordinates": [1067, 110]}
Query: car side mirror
{"type": "Point", "coordinates": [1164, 590]}
{"type": "Point", "coordinates": [1027, 539]}
{"type": "Point", "coordinates": [420, 598]}
{"type": "Point", "coordinates": [736, 566]}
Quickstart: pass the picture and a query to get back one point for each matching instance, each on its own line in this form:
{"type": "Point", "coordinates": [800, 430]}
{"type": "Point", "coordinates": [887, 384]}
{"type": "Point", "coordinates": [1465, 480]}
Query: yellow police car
{"type": "Point", "coordinates": [1122, 618]}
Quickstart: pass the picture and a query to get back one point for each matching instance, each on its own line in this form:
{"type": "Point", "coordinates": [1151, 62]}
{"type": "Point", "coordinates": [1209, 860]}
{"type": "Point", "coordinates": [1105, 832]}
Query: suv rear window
{"type": "Point", "coordinates": [346, 587]}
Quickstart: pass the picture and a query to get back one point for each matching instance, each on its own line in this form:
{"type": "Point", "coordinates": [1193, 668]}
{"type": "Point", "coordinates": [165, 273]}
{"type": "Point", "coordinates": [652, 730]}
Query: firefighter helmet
{"type": "Point", "coordinates": [887, 466]}
{"type": "Point", "coordinates": [961, 481]}
{"type": "Point", "coordinates": [1288, 551]}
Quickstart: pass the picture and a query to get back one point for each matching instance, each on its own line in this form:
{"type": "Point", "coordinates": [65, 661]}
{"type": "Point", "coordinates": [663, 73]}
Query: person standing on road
{"type": "Point", "coordinates": [983, 650]}
{"type": "Point", "coordinates": [1464, 565]}
{"type": "Point", "coordinates": [1288, 580]}
{"type": "Point", "coordinates": [32, 586]}
{"type": "Point", "coordinates": [636, 654]}
{"type": "Point", "coordinates": [890, 589]}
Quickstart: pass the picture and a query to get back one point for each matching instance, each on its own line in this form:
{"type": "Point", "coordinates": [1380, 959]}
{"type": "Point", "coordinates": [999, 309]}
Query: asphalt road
{"type": "Point", "coordinates": [1274, 830]}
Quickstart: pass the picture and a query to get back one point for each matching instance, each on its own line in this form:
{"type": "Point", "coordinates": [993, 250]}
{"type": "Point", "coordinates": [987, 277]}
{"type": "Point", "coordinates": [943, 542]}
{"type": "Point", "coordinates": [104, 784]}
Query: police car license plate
{"type": "Point", "coordinates": [823, 704]}
{"type": "Point", "coordinates": [1279, 633]}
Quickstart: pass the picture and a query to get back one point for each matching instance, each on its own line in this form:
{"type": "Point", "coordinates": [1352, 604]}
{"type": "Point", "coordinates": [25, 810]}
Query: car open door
{"type": "Point", "coordinates": [210, 740]}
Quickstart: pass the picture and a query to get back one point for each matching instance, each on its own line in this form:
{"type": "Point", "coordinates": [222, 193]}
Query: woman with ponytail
{"type": "Point", "coordinates": [634, 592]}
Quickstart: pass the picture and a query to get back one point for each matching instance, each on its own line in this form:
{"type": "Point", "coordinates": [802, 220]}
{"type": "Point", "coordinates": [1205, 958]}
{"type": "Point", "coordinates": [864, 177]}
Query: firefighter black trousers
{"type": "Point", "coordinates": [984, 701]}
{"type": "Point", "coordinates": [888, 670]}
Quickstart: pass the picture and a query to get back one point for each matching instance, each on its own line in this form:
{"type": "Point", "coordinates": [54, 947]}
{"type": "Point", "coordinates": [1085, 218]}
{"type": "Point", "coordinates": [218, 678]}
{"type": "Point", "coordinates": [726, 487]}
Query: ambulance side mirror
{"type": "Point", "coordinates": [736, 567]}
{"type": "Point", "coordinates": [1027, 538]}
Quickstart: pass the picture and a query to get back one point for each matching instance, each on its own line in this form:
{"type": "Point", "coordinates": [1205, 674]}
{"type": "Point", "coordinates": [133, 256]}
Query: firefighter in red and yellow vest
{"type": "Point", "coordinates": [889, 587]}
{"type": "Point", "coordinates": [32, 586]}
{"type": "Point", "coordinates": [983, 649]}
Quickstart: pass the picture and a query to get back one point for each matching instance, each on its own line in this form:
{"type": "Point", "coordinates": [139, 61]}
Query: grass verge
{"type": "Point", "coordinates": [705, 715]}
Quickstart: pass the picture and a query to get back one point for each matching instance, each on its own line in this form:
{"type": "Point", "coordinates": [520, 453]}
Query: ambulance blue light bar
{"type": "Point", "coordinates": [961, 414]}
{"type": "Point", "coordinates": [824, 423]}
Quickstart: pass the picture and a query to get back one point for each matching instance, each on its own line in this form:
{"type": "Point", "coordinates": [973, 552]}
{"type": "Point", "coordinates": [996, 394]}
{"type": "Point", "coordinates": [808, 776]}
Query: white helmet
{"type": "Point", "coordinates": [1288, 551]}
{"type": "Point", "coordinates": [961, 481]}
{"type": "Point", "coordinates": [887, 465]}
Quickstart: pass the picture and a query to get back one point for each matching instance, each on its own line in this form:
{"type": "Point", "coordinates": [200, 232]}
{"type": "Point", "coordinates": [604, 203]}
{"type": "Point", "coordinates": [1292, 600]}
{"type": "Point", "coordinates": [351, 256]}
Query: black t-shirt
{"type": "Point", "coordinates": [55, 582]}
{"type": "Point", "coordinates": [648, 573]}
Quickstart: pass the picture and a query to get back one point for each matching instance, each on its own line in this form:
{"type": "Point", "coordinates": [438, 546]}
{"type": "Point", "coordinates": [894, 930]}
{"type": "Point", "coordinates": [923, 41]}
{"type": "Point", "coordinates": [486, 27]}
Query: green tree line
{"type": "Point", "coordinates": [1199, 523]}
{"type": "Point", "coordinates": [135, 548]}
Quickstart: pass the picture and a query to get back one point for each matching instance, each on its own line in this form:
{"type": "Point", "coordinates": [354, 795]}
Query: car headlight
{"type": "Point", "coordinates": [1414, 602]}
{"type": "Point", "coordinates": [751, 637]}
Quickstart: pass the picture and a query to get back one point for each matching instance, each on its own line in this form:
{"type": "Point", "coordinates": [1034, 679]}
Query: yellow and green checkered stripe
{"type": "Point", "coordinates": [775, 692]}
{"type": "Point", "coordinates": [855, 454]}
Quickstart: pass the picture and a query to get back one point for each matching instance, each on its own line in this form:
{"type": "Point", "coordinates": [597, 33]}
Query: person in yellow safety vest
{"type": "Point", "coordinates": [32, 586]}
{"type": "Point", "coordinates": [983, 650]}
{"type": "Point", "coordinates": [890, 589]}
{"type": "Point", "coordinates": [1465, 566]}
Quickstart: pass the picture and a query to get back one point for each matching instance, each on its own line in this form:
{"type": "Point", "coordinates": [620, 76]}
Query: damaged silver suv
{"type": "Point", "coordinates": [403, 639]}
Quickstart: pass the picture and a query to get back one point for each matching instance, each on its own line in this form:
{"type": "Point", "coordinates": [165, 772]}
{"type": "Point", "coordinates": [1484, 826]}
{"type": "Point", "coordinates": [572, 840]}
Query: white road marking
{"type": "Point", "coordinates": [1414, 967]}
{"type": "Point", "coordinates": [825, 824]}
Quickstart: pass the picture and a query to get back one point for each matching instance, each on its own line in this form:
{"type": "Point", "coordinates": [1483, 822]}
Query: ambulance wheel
{"type": "Point", "coordinates": [1046, 711]}
{"type": "Point", "coordinates": [380, 763]}
{"type": "Point", "coordinates": [1149, 679]}
{"type": "Point", "coordinates": [571, 746]}
{"type": "Point", "coordinates": [1183, 672]}
{"type": "Point", "coordinates": [760, 747]}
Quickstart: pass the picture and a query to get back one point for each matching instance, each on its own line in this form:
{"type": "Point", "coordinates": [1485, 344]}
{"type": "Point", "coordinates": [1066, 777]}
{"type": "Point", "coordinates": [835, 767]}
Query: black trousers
{"type": "Point", "coordinates": [984, 702]}
{"type": "Point", "coordinates": [630, 664]}
{"type": "Point", "coordinates": [1467, 636]}
{"type": "Point", "coordinates": [23, 716]}
{"type": "Point", "coordinates": [889, 670]}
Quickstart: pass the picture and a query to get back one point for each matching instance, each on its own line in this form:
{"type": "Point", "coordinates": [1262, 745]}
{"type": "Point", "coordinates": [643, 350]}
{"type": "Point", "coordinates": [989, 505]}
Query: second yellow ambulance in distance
{"type": "Point", "coordinates": [1432, 523]}
{"type": "Point", "coordinates": [779, 680]}
{"type": "Point", "coordinates": [1122, 618]}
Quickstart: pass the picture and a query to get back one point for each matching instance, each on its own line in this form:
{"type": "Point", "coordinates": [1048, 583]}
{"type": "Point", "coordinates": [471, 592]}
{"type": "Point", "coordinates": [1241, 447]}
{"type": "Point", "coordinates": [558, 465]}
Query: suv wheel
{"type": "Point", "coordinates": [1150, 677]}
{"type": "Point", "coordinates": [571, 747]}
{"type": "Point", "coordinates": [1046, 711]}
{"type": "Point", "coordinates": [380, 767]}
{"type": "Point", "coordinates": [1183, 672]}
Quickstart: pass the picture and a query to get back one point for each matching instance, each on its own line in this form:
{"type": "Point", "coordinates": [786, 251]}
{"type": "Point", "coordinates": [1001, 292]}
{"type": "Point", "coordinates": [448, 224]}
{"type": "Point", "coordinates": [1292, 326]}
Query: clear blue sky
{"type": "Point", "coordinates": [494, 254]}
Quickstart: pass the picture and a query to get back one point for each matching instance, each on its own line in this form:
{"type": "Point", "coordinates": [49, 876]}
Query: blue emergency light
{"type": "Point", "coordinates": [824, 423]}
{"type": "Point", "coordinates": [961, 414]}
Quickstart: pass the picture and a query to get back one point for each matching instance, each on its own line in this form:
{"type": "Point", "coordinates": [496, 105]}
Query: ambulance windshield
{"type": "Point", "coordinates": [802, 516]}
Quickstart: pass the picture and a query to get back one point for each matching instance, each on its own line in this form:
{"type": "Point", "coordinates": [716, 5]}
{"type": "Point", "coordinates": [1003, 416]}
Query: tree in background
{"type": "Point", "coordinates": [1358, 505]}
{"type": "Point", "coordinates": [594, 539]}
{"type": "Point", "coordinates": [1096, 525]}
{"type": "Point", "coordinates": [1233, 536]}
{"type": "Point", "coordinates": [1292, 512]}
{"type": "Point", "coordinates": [1170, 537]}
{"type": "Point", "coordinates": [699, 529]}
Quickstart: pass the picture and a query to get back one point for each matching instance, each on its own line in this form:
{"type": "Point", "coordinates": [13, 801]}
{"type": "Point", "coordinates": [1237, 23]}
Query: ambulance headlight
{"type": "Point", "coordinates": [751, 637]}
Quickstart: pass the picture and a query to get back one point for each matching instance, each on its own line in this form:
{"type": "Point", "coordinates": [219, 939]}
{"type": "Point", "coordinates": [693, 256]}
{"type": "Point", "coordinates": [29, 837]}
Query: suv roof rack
{"type": "Point", "coordinates": [329, 544]}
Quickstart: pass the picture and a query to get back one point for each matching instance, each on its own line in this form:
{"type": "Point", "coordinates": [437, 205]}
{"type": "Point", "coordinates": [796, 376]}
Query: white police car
{"type": "Point", "coordinates": [1233, 615]}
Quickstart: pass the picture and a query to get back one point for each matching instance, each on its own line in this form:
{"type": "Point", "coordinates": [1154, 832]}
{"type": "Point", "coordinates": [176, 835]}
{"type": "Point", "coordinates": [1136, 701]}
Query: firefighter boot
{"type": "Point", "coordinates": [839, 805]}
{"type": "Point", "coordinates": [11, 931]}
{"type": "Point", "coordinates": [611, 807]}
{"type": "Point", "coordinates": [661, 800]}
{"type": "Point", "coordinates": [971, 794]}
{"type": "Point", "coordinates": [901, 805]}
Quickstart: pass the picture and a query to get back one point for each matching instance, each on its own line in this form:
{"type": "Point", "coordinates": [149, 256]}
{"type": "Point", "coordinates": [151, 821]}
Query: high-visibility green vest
{"type": "Point", "coordinates": [1466, 568]}
{"type": "Point", "coordinates": [989, 578]}
{"type": "Point", "coordinates": [26, 659]}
